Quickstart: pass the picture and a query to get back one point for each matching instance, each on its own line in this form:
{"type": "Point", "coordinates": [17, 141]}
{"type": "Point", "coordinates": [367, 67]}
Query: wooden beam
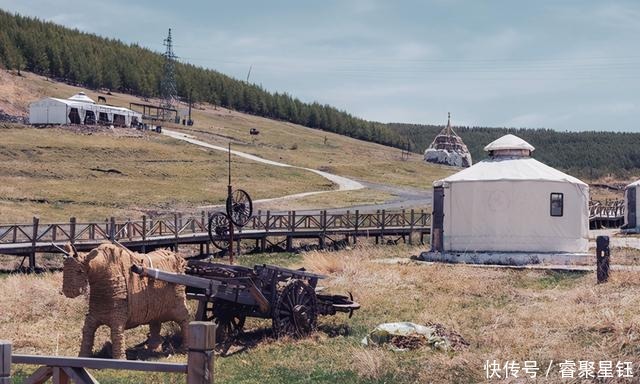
{"type": "Point", "coordinates": [91, 363]}
{"type": "Point", "coordinates": [80, 376]}
{"type": "Point", "coordinates": [40, 376]}
{"type": "Point", "coordinates": [201, 341]}
{"type": "Point", "coordinates": [34, 241]}
{"type": "Point", "coordinates": [59, 376]}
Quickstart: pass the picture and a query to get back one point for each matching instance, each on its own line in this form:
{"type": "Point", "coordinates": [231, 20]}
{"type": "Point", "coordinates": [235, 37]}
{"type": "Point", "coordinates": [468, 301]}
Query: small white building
{"type": "Point", "coordinates": [80, 109]}
{"type": "Point", "coordinates": [510, 203]}
{"type": "Point", "coordinates": [632, 207]}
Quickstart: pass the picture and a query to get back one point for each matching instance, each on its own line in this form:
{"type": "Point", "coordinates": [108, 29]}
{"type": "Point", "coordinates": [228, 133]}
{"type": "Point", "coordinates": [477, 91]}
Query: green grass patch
{"type": "Point", "coordinates": [544, 280]}
{"type": "Point", "coordinates": [283, 259]}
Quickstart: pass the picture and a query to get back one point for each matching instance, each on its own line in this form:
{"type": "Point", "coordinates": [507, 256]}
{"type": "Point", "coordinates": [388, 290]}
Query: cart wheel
{"type": "Point", "coordinates": [229, 326]}
{"type": "Point", "coordinates": [219, 230]}
{"type": "Point", "coordinates": [239, 207]}
{"type": "Point", "coordinates": [296, 311]}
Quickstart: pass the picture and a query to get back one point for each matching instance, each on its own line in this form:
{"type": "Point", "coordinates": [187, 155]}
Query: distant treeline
{"type": "Point", "coordinates": [80, 58]}
{"type": "Point", "coordinates": [584, 154]}
{"type": "Point", "coordinates": [72, 56]}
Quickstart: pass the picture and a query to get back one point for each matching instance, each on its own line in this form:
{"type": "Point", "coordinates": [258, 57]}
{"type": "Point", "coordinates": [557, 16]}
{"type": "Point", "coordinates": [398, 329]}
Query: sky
{"type": "Point", "coordinates": [564, 65]}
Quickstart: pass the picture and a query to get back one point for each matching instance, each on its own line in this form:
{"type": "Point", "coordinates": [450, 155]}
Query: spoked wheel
{"type": "Point", "coordinates": [296, 311]}
{"type": "Point", "coordinates": [219, 230]}
{"type": "Point", "coordinates": [239, 207]}
{"type": "Point", "coordinates": [229, 327]}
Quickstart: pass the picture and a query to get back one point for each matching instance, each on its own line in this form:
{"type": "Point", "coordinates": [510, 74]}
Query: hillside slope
{"type": "Point", "coordinates": [98, 62]}
{"type": "Point", "coordinates": [49, 171]}
{"type": "Point", "coordinates": [588, 155]}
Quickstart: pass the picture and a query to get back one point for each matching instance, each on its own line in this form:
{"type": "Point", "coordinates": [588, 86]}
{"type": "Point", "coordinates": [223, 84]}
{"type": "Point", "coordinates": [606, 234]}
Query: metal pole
{"type": "Point", "coordinates": [229, 193]}
{"type": "Point", "coordinates": [230, 242]}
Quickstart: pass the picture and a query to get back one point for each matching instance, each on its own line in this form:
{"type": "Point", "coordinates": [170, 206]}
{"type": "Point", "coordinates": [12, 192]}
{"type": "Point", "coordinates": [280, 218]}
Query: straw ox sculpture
{"type": "Point", "coordinates": [122, 300]}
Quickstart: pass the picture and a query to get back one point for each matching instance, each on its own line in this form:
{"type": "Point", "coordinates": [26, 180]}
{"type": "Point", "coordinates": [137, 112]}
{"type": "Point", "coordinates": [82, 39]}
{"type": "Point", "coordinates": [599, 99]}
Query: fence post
{"type": "Point", "coordinates": [34, 240]}
{"type": "Point", "coordinates": [411, 221]}
{"type": "Point", "coordinates": [323, 224]}
{"type": "Point", "coordinates": [72, 230]}
{"type": "Point", "coordinates": [355, 228]}
{"type": "Point", "coordinates": [201, 341]}
{"type": "Point", "coordinates": [424, 222]}
{"type": "Point", "coordinates": [384, 219]}
{"type": "Point", "coordinates": [176, 231]}
{"type": "Point", "coordinates": [5, 362]}
{"type": "Point", "coordinates": [112, 228]}
{"type": "Point", "coordinates": [144, 233]}
{"type": "Point", "coordinates": [602, 258]}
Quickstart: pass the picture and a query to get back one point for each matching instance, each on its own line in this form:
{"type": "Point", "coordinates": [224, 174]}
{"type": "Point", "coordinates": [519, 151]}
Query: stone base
{"type": "Point", "coordinates": [508, 258]}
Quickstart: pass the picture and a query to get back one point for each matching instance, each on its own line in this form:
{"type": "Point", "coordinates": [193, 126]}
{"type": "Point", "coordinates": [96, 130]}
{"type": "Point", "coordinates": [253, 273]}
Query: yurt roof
{"type": "Point", "coordinates": [510, 169]}
{"type": "Point", "coordinates": [508, 142]}
{"type": "Point", "coordinates": [92, 107]}
{"type": "Point", "coordinates": [81, 96]}
{"type": "Point", "coordinates": [634, 184]}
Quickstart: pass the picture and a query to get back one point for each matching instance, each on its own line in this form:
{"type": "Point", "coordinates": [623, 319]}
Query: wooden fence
{"type": "Point", "coordinates": [178, 224]}
{"type": "Point", "coordinates": [198, 370]}
{"type": "Point", "coordinates": [606, 209]}
{"type": "Point", "coordinates": [28, 239]}
{"type": "Point", "coordinates": [606, 214]}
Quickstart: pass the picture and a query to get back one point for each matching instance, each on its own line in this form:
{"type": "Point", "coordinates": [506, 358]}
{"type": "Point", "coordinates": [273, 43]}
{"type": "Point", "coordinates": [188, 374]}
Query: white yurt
{"type": "Point", "coordinates": [632, 207]}
{"type": "Point", "coordinates": [510, 203]}
{"type": "Point", "coordinates": [80, 109]}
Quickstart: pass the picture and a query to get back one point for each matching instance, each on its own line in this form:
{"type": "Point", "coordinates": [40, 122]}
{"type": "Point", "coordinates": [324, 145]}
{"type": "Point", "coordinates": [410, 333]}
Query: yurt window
{"type": "Point", "coordinates": [557, 204]}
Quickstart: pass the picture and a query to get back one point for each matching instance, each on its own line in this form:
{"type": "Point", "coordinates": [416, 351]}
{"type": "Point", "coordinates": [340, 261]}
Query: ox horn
{"type": "Point", "coordinates": [64, 252]}
{"type": "Point", "coordinates": [75, 251]}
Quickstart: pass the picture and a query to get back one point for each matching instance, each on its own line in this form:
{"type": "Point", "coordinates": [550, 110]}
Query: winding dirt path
{"type": "Point", "coordinates": [343, 183]}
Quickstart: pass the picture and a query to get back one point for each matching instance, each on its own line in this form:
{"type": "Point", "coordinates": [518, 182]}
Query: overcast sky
{"type": "Point", "coordinates": [565, 65]}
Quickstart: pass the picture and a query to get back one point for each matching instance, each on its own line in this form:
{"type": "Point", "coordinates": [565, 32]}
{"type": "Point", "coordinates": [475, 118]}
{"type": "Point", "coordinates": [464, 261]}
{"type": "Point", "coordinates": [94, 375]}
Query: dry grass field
{"type": "Point", "coordinates": [48, 172]}
{"type": "Point", "coordinates": [505, 315]}
{"type": "Point", "coordinates": [56, 173]}
{"type": "Point", "coordinates": [336, 199]}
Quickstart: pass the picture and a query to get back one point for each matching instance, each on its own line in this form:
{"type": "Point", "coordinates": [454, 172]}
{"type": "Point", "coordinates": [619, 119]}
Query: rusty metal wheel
{"type": "Point", "coordinates": [219, 230]}
{"type": "Point", "coordinates": [239, 207]}
{"type": "Point", "coordinates": [295, 312]}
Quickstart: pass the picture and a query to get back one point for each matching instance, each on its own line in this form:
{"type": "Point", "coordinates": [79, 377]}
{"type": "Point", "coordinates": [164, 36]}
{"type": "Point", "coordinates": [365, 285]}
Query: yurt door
{"type": "Point", "coordinates": [438, 219]}
{"type": "Point", "coordinates": [631, 207]}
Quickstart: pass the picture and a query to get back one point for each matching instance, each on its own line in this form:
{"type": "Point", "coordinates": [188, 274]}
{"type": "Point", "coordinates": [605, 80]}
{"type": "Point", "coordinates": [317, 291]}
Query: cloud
{"type": "Point", "coordinates": [495, 45]}
{"type": "Point", "coordinates": [617, 15]}
{"type": "Point", "coordinates": [364, 6]}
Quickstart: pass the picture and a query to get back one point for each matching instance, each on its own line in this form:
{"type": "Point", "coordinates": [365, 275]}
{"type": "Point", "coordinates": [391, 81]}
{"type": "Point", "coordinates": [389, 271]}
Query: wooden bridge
{"type": "Point", "coordinates": [268, 230]}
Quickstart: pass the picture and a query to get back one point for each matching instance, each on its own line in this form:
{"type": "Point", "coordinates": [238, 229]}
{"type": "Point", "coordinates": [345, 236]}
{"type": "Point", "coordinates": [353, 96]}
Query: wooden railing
{"type": "Point", "coordinates": [606, 209]}
{"type": "Point", "coordinates": [182, 225]}
{"type": "Point", "coordinates": [199, 367]}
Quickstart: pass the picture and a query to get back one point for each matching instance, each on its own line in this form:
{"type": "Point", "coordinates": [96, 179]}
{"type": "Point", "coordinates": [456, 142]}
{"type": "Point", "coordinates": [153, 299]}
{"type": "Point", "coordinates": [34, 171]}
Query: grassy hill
{"type": "Point", "coordinates": [97, 62]}
{"type": "Point", "coordinates": [57, 173]}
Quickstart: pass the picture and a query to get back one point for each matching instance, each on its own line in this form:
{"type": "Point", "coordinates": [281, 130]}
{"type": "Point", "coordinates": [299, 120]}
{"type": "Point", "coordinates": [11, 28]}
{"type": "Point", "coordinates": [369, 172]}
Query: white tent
{"type": "Point", "coordinates": [79, 109]}
{"type": "Point", "coordinates": [632, 207]}
{"type": "Point", "coordinates": [82, 97]}
{"type": "Point", "coordinates": [510, 203]}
